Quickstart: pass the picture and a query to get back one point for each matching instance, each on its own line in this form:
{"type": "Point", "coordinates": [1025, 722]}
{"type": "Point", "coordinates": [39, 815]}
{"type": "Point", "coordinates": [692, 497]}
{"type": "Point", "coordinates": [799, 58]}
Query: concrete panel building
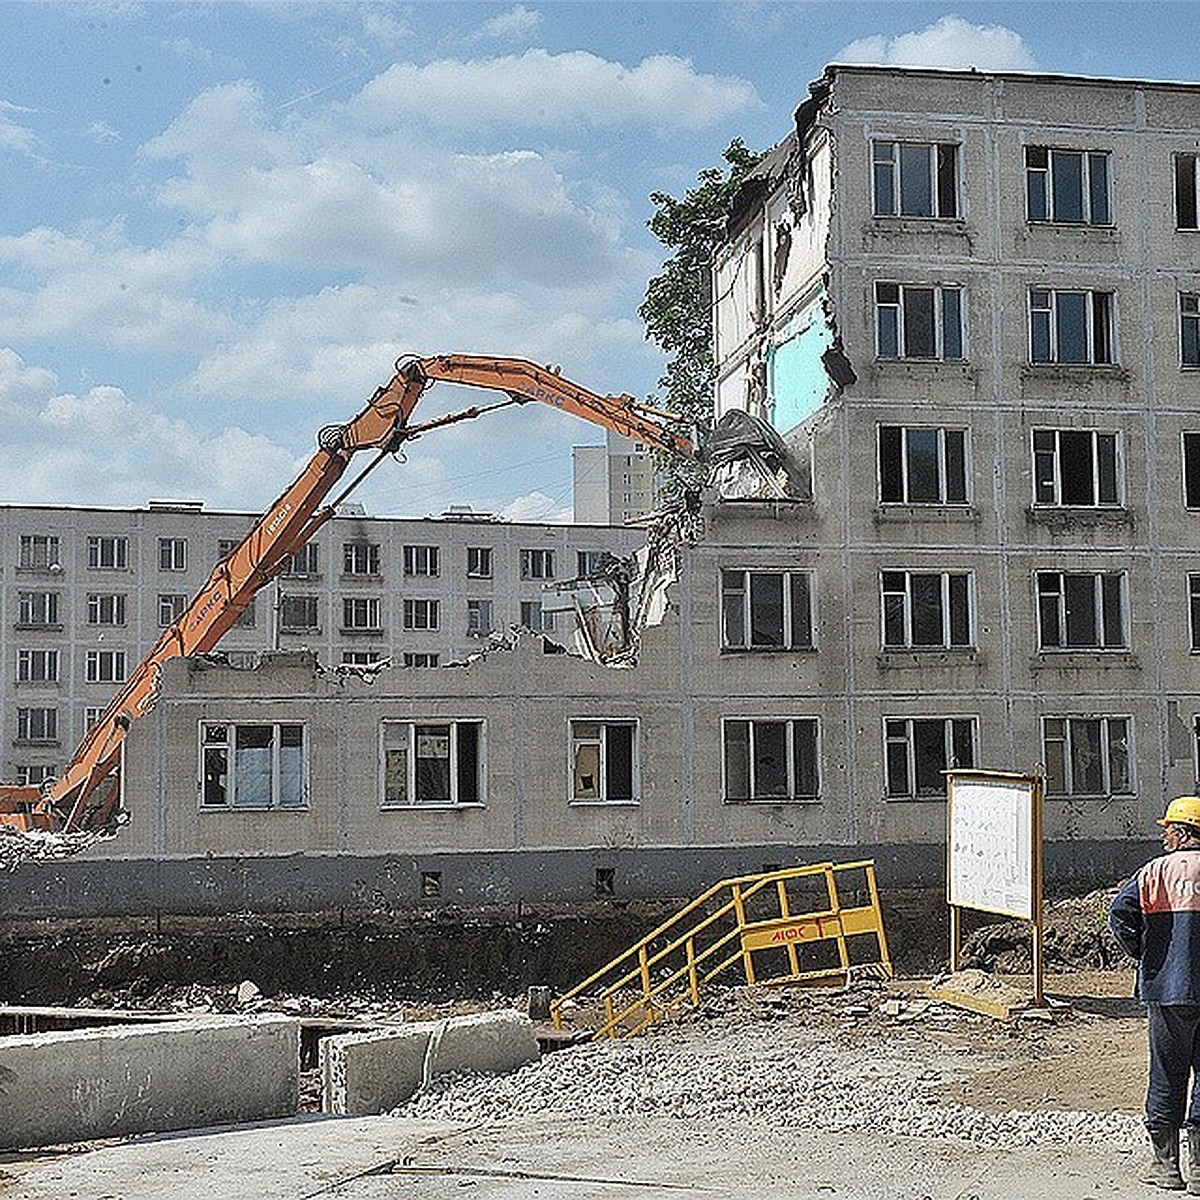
{"type": "Point", "coordinates": [613, 483]}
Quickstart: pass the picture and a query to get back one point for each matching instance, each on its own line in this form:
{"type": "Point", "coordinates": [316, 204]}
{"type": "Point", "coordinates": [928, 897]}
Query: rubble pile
{"type": "Point", "coordinates": [41, 845]}
{"type": "Point", "coordinates": [1075, 937]}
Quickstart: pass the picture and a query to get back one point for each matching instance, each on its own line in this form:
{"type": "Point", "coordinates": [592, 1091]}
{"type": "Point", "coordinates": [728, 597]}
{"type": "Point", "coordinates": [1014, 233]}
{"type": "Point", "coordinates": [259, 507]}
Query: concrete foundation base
{"type": "Point", "coordinates": [98, 1083]}
{"type": "Point", "coordinates": [367, 1073]}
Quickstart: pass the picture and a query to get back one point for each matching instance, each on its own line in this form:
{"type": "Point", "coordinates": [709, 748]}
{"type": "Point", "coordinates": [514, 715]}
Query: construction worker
{"type": "Point", "coordinates": [1155, 917]}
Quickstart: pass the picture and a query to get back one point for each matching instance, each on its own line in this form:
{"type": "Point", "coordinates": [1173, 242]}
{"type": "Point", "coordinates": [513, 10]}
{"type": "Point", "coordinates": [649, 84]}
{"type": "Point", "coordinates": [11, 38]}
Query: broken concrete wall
{"type": "Point", "coordinates": [99, 1083]}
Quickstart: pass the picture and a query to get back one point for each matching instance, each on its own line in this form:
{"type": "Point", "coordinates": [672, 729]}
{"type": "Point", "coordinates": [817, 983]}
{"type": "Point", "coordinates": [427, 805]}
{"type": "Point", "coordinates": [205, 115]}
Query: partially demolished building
{"type": "Point", "coordinates": [953, 522]}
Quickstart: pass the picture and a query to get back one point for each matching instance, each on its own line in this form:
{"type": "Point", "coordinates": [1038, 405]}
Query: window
{"type": "Point", "coordinates": [1083, 611]}
{"type": "Point", "coordinates": [247, 618]}
{"type": "Point", "coordinates": [603, 765]}
{"type": "Point", "coordinates": [918, 322]}
{"type": "Point", "coordinates": [37, 666]}
{"type": "Point", "coordinates": [104, 666]}
{"type": "Point", "coordinates": [105, 609]}
{"type": "Point", "coordinates": [225, 547]}
{"type": "Point", "coordinates": [1187, 179]}
{"type": "Point", "coordinates": [915, 179]}
{"type": "Point", "coordinates": [1070, 327]}
{"type": "Point", "coordinates": [479, 562]}
{"type": "Point", "coordinates": [108, 553]}
{"type": "Point", "coordinates": [1075, 467]}
{"type": "Point", "coordinates": [360, 558]}
{"type": "Point", "coordinates": [770, 760]}
{"type": "Point", "coordinates": [1087, 756]}
{"type": "Point", "coordinates": [37, 609]}
{"type": "Point", "coordinates": [303, 563]}
{"type": "Point", "coordinates": [420, 614]}
{"type": "Point", "coordinates": [363, 658]}
{"type": "Point", "coordinates": [590, 562]}
{"type": "Point", "coordinates": [432, 764]}
{"type": "Point", "coordinates": [38, 551]}
{"type": "Point", "coordinates": [1067, 186]}
{"type": "Point", "coordinates": [419, 659]}
{"type": "Point", "coordinates": [919, 750]}
{"type": "Point", "coordinates": [33, 774]}
{"type": "Point", "coordinates": [170, 609]}
{"type": "Point", "coordinates": [534, 617]}
{"type": "Point", "coordinates": [172, 554]}
{"type": "Point", "coordinates": [922, 466]}
{"type": "Point", "coordinates": [360, 612]}
{"type": "Point", "coordinates": [1194, 611]}
{"type": "Point", "coordinates": [91, 716]}
{"type": "Point", "coordinates": [37, 724]}
{"type": "Point", "coordinates": [926, 611]}
{"type": "Point", "coordinates": [421, 560]}
{"type": "Point", "coordinates": [479, 618]}
{"type": "Point", "coordinates": [298, 612]}
{"type": "Point", "coordinates": [1191, 470]}
{"type": "Point", "coordinates": [253, 766]}
{"type": "Point", "coordinates": [1189, 331]}
{"type": "Point", "coordinates": [766, 610]}
{"type": "Point", "coordinates": [537, 564]}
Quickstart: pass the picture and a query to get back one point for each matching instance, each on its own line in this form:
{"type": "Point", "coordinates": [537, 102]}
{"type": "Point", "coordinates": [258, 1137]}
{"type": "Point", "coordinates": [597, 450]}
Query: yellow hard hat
{"type": "Point", "coordinates": [1183, 810]}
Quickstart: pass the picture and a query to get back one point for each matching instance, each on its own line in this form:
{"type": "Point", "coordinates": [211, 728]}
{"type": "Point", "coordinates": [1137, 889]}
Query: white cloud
{"type": "Point", "coordinates": [949, 42]}
{"type": "Point", "coordinates": [540, 89]}
{"type": "Point", "coordinates": [104, 445]}
{"type": "Point", "coordinates": [14, 135]}
{"type": "Point", "coordinates": [511, 26]}
{"type": "Point", "coordinates": [103, 133]}
{"type": "Point", "coordinates": [537, 506]}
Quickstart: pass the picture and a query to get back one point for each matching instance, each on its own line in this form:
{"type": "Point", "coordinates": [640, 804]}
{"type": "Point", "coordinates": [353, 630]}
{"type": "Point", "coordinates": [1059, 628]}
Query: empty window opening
{"type": "Point", "coordinates": [926, 610]}
{"type": "Point", "coordinates": [770, 760]}
{"type": "Point", "coordinates": [1082, 610]}
{"type": "Point", "coordinates": [1075, 468]}
{"type": "Point", "coordinates": [1087, 756]}
{"type": "Point", "coordinates": [432, 764]}
{"type": "Point", "coordinates": [918, 751]}
{"type": "Point", "coordinates": [1070, 326]}
{"type": "Point", "coordinates": [766, 610]}
{"type": "Point", "coordinates": [1067, 186]}
{"type": "Point", "coordinates": [603, 761]}
{"type": "Point", "coordinates": [253, 766]}
{"type": "Point", "coordinates": [915, 179]}
{"type": "Point", "coordinates": [918, 322]}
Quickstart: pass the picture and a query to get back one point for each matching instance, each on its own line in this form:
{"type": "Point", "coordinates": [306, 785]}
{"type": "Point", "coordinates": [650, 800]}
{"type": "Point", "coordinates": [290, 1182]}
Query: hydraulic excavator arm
{"type": "Point", "coordinates": [87, 792]}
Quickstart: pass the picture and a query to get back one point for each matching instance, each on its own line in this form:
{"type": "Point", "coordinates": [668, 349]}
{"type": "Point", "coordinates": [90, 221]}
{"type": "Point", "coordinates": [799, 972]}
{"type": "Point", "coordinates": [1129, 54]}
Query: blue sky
{"type": "Point", "coordinates": [223, 222]}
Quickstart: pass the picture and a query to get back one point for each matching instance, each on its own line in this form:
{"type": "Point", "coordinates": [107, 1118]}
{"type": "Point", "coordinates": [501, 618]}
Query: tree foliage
{"type": "Point", "coordinates": [678, 305]}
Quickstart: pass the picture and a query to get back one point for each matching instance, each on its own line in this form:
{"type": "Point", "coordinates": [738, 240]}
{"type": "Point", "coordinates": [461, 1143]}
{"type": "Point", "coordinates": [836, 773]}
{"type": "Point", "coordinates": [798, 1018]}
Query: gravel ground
{"type": "Point", "coordinates": [831, 1064]}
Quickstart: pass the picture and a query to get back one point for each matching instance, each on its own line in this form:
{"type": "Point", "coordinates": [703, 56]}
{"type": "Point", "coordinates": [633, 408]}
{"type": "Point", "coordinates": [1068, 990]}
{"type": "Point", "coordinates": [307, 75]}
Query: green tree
{"type": "Point", "coordinates": [678, 305]}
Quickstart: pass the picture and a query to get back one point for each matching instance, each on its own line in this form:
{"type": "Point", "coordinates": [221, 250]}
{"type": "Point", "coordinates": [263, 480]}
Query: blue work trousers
{"type": "Point", "coordinates": [1174, 1061]}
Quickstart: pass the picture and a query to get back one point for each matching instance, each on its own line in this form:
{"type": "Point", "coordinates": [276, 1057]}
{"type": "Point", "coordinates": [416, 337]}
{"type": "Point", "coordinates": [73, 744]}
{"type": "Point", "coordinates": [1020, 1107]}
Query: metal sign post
{"type": "Point", "coordinates": [994, 854]}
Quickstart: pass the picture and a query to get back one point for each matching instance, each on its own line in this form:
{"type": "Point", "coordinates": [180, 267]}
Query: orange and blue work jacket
{"type": "Point", "coordinates": [1156, 919]}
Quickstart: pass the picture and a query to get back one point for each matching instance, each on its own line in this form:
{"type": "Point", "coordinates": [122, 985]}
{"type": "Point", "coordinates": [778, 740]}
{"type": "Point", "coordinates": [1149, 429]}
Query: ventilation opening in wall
{"type": "Point", "coordinates": [431, 885]}
{"type": "Point", "coordinates": [606, 881]}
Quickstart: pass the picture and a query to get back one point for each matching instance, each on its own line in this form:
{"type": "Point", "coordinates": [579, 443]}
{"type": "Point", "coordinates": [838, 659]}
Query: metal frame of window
{"type": "Point", "coordinates": [1070, 747]}
{"type": "Point", "coordinates": [104, 666]}
{"type": "Point", "coordinates": [37, 610]}
{"type": "Point", "coordinates": [406, 740]}
{"type": "Point", "coordinates": [106, 608]}
{"type": "Point", "coordinates": [108, 553]}
{"type": "Point", "coordinates": [37, 666]}
{"type": "Point", "coordinates": [172, 554]}
{"type": "Point", "coordinates": [914, 179]}
{"type": "Point", "coordinates": [361, 612]}
{"type": "Point", "coordinates": [37, 724]}
{"type": "Point", "coordinates": [749, 602]}
{"type": "Point", "coordinates": [758, 740]}
{"type": "Point", "coordinates": [904, 594]}
{"type": "Point", "coordinates": [422, 560]}
{"type": "Point", "coordinates": [537, 563]}
{"type": "Point", "coordinates": [1069, 462]}
{"type": "Point", "coordinates": [592, 744]}
{"type": "Point", "coordinates": [286, 775]}
{"type": "Point", "coordinates": [420, 613]}
{"type": "Point", "coordinates": [905, 455]}
{"type": "Point", "coordinates": [909, 328]}
{"type": "Point", "coordinates": [39, 551]}
{"type": "Point", "coordinates": [1064, 186]}
{"type": "Point", "coordinates": [360, 558]}
{"type": "Point", "coordinates": [1100, 599]}
{"type": "Point", "coordinates": [303, 564]}
{"type": "Point", "coordinates": [901, 753]}
{"type": "Point", "coordinates": [1189, 329]}
{"type": "Point", "coordinates": [1048, 321]}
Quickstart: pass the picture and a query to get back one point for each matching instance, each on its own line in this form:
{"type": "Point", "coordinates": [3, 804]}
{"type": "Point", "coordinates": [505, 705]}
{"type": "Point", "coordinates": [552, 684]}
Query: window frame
{"type": "Point", "coordinates": [455, 752]}
{"type": "Point", "coordinates": [1103, 597]}
{"type": "Point", "coordinates": [1049, 174]}
{"type": "Point", "coordinates": [480, 617]}
{"type": "Point", "coordinates": [47, 660]}
{"type": "Point", "coordinates": [580, 739]}
{"type": "Point", "coordinates": [895, 463]}
{"type": "Point", "coordinates": [104, 547]}
{"type": "Point", "coordinates": [362, 614]}
{"type": "Point", "coordinates": [536, 562]}
{"type": "Point", "coordinates": [1050, 315]}
{"type": "Point", "coordinates": [1193, 588]}
{"type": "Point", "coordinates": [170, 608]}
{"type": "Point", "coordinates": [30, 601]}
{"type": "Point", "coordinates": [1104, 724]}
{"type": "Point", "coordinates": [1189, 331]}
{"type": "Point", "coordinates": [422, 561]}
{"type": "Point", "coordinates": [429, 606]}
{"type": "Point", "coordinates": [302, 563]}
{"type": "Point", "coordinates": [276, 802]}
{"type": "Point", "coordinates": [748, 772]}
{"type": "Point", "coordinates": [172, 554]}
{"type": "Point", "coordinates": [888, 198]}
{"type": "Point", "coordinates": [105, 665]}
{"type": "Point", "coordinates": [1049, 476]}
{"type": "Point", "coordinates": [39, 552]}
{"type": "Point", "coordinates": [736, 604]}
{"type": "Point", "coordinates": [420, 660]}
{"type": "Point", "coordinates": [106, 609]}
{"type": "Point", "coordinates": [292, 600]}
{"type": "Point", "coordinates": [361, 559]}
{"type": "Point", "coordinates": [952, 728]}
{"type": "Point", "coordinates": [955, 591]}
{"type": "Point", "coordinates": [901, 316]}
{"type": "Point", "coordinates": [42, 716]}
{"type": "Point", "coordinates": [479, 562]}
{"type": "Point", "coordinates": [1187, 191]}
{"type": "Point", "coordinates": [531, 609]}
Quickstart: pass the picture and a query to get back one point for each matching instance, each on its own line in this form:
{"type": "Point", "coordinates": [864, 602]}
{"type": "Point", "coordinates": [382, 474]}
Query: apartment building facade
{"type": "Point", "coordinates": [85, 592]}
{"type": "Point", "coordinates": [614, 482]}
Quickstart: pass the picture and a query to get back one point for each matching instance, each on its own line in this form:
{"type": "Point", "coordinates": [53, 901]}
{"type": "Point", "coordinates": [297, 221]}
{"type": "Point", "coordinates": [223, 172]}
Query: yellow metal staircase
{"type": "Point", "coordinates": [817, 924]}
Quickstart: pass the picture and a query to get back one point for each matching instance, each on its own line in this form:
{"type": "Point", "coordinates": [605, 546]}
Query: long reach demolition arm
{"type": "Point", "coordinates": [86, 794]}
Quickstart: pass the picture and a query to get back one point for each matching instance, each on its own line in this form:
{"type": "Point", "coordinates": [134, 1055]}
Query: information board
{"type": "Point", "coordinates": [994, 858]}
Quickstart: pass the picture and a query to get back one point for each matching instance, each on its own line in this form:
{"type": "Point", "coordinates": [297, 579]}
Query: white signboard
{"type": "Point", "coordinates": [992, 826]}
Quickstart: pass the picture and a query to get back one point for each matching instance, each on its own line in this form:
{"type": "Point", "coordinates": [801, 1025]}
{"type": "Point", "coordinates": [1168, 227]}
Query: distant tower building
{"type": "Point", "coordinates": [614, 483]}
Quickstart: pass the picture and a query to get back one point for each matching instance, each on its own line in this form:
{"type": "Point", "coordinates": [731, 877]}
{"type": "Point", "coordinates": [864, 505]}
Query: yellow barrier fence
{"type": "Point", "coordinates": [818, 924]}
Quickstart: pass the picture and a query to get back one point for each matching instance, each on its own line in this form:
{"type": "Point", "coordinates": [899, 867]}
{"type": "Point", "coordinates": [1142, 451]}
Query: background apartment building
{"type": "Point", "coordinates": [613, 483]}
{"type": "Point", "coordinates": [84, 593]}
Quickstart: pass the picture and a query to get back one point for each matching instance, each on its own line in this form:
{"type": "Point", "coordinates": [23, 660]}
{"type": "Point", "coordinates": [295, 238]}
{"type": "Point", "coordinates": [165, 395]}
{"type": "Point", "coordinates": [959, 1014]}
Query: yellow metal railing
{"type": "Point", "coordinates": [787, 925]}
